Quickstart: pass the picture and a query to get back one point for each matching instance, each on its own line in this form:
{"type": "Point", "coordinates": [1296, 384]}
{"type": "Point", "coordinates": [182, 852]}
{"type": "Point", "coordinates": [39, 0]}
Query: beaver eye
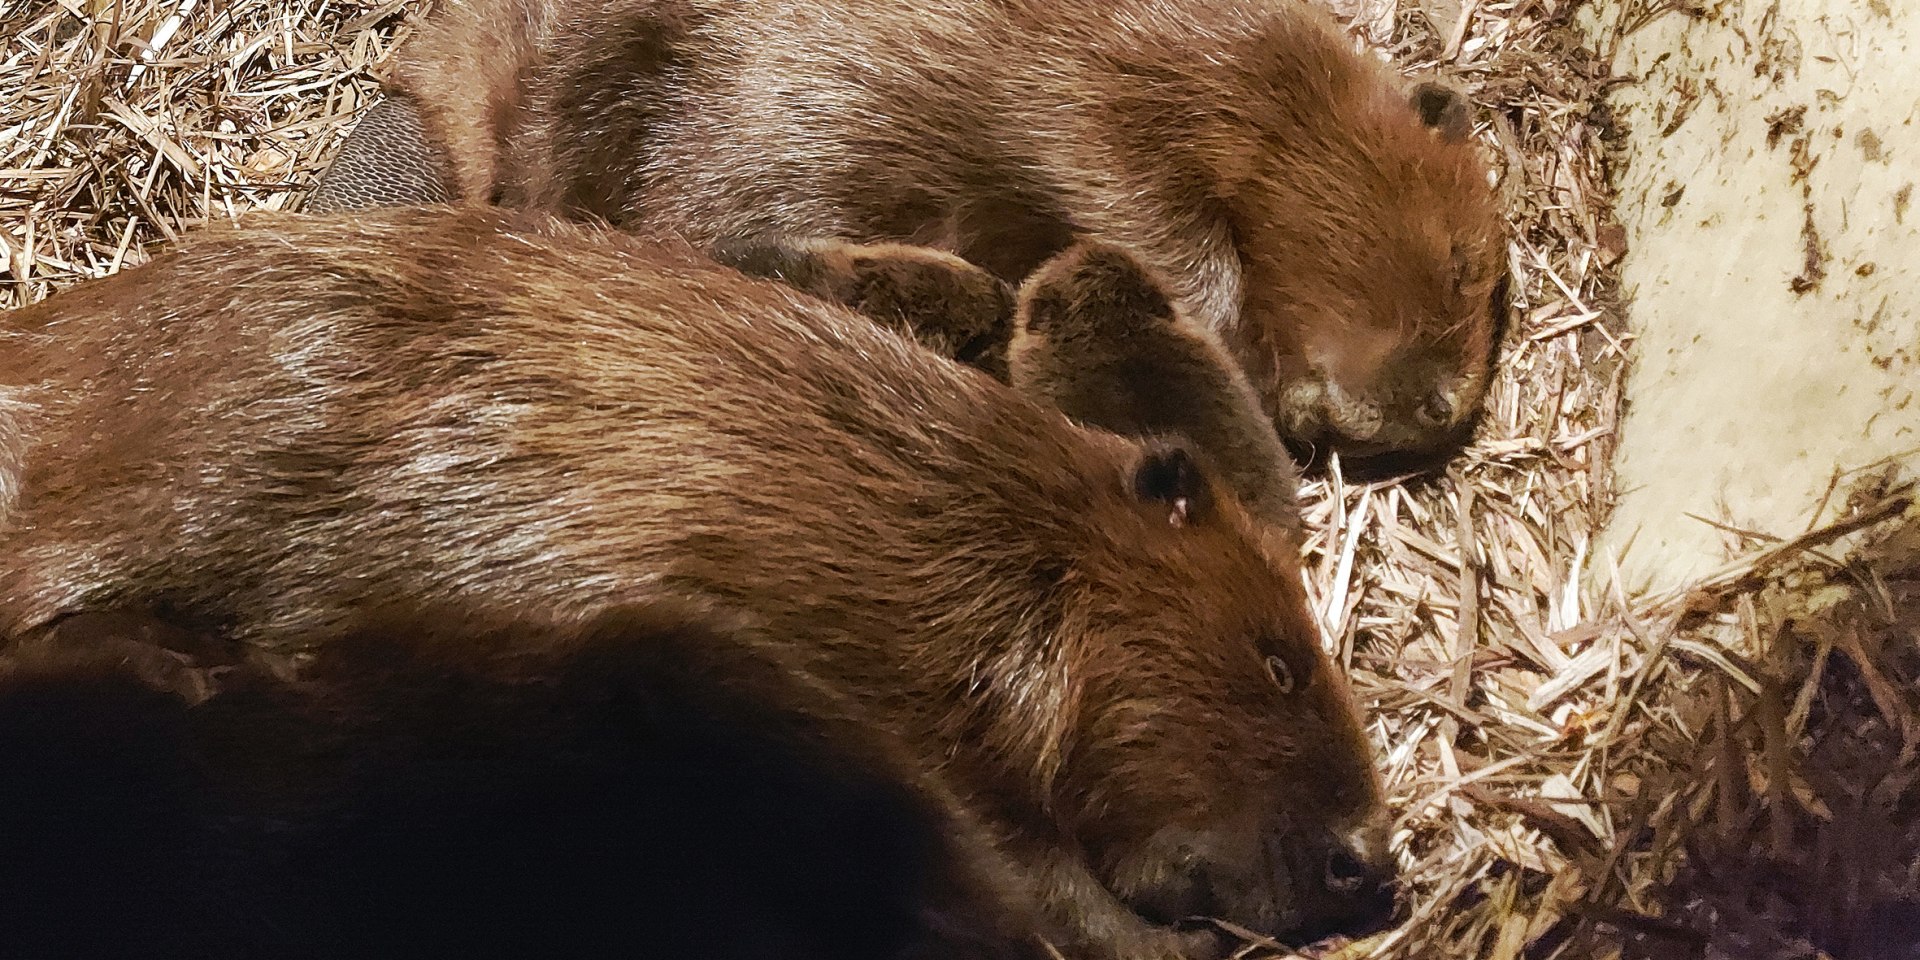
{"type": "Point", "coordinates": [1281, 673]}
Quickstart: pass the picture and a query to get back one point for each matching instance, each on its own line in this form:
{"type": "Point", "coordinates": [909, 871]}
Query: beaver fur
{"type": "Point", "coordinates": [259, 433]}
{"type": "Point", "coordinates": [657, 780]}
{"type": "Point", "coordinates": [1334, 227]}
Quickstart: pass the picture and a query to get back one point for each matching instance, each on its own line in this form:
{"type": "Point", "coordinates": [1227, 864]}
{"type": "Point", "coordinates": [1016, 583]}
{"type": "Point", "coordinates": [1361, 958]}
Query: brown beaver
{"type": "Point", "coordinates": [1335, 230]}
{"type": "Point", "coordinates": [658, 780]}
{"type": "Point", "coordinates": [256, 433]}
{"type": "Point", "coordinates": [1098, 335]}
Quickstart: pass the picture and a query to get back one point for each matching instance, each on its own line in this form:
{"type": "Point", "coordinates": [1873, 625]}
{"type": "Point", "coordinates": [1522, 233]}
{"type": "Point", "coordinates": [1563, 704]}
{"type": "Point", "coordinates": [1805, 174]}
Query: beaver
{"type": "Point", "coordinates": [1098, 336]}
{"type": "Point", "coordinates": [1102, 341]}
{"type": "Point", "coordinates": [1335, 229]}
{"type": "Point", "coordinates": [475, 407]}
{"type": "Point", "coordinates": [657, 778]}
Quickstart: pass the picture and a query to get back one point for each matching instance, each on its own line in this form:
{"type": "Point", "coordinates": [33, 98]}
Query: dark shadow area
{"type": "Point", "coordinates": [1793, 831]}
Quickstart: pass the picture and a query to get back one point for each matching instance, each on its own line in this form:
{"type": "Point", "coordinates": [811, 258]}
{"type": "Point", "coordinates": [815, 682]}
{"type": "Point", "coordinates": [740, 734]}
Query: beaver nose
{"type": "Point", "coordinates": [1436, 411]}
{"type": "Point", "coordinates": [1347, 874]}
{"type": "Point", "coordinates": [1367, 883]}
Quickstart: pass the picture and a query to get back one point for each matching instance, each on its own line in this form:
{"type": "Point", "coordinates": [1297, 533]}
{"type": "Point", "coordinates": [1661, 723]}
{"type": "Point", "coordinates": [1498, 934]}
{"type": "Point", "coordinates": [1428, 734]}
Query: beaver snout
{"type": "Point", "coordinates": [1294, 888]}
{"type": "Point", "coordinates": [1360, 885]}
{"type": "Point", "coordinates": [1378, 434]}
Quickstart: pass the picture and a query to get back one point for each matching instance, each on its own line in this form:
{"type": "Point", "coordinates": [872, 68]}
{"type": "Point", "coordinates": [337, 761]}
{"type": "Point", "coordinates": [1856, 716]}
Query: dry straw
{"type": "Point", "coordinates": [1726, 771]}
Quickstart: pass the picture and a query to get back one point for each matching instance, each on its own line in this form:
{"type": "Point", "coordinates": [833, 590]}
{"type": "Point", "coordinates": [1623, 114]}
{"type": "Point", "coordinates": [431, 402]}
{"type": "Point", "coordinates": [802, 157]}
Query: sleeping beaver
{"type": "Point", "coordinates": [271, 428]}
{"type": "Point", "coordinates": [1335, 229]}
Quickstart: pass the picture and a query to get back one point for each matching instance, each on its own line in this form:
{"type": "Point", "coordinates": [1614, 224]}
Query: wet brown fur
{"type": "Point", "coordinates": [659, 780]}
{"type": "Point", "coordinates": [1336, 230]}
{"type": "Point", "coordinates": [268, 429]}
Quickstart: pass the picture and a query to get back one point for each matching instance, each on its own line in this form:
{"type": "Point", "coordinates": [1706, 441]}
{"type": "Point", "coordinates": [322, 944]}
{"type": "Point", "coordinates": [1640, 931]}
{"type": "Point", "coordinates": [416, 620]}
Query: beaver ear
{"type": "Point", "coordinates": [1096, 289]}
{"type": "Point", "coordinates": [1169, 476]}
{"type": "Point", "coordinates": [1444, 110]}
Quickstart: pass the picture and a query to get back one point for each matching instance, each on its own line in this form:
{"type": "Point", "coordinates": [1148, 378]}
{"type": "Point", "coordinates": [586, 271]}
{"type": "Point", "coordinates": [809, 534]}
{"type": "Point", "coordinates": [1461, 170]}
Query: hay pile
{"type": "Point", "coordinates": [126, 122]}
{"type": "Point", "coordinates": [1726, 771]}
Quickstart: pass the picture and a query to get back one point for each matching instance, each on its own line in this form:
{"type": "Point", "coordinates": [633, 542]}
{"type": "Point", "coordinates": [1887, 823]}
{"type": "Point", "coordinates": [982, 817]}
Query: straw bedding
{"type": "Point", "coordinates": [1725, 771]}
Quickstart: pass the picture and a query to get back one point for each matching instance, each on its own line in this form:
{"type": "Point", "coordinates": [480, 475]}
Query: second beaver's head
{"type": "Point", "coordinates": [1373, 253]}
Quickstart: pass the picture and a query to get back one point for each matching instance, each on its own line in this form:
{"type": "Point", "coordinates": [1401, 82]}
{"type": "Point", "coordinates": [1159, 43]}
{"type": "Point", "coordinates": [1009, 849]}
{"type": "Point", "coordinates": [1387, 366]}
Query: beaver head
{"type": "Point", "coordinates": [1194, 742]}
{"type": "Point", "coordinates": [1373, 252]}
